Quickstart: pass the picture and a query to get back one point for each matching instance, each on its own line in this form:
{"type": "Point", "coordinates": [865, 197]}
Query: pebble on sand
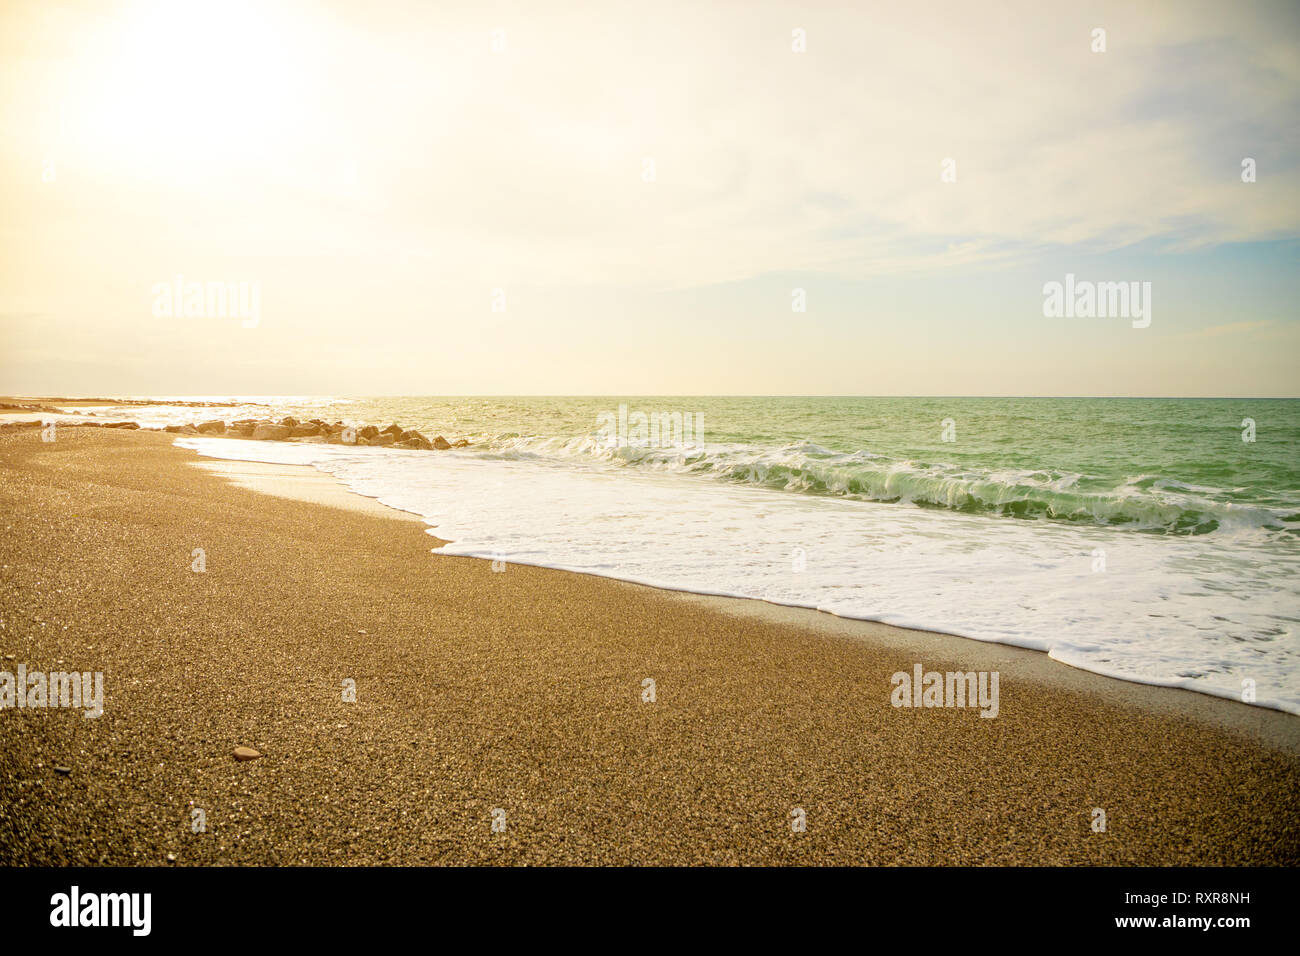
{"type": "Point", "coordinates": [246, 753]}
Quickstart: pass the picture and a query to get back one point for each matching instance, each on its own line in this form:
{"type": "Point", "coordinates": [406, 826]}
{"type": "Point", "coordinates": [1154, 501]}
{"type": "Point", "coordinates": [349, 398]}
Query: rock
{"type": "Point", "coordinates": [239, 431]}
{"type": "Point", "coordinates": [214, 427]}
{"type": "Point", "coordinates": [271, 432]}
{"type": "Point", "coordinates": [120, 424]}
{"type": "Point", "coordinates": [246, 753]}
{"type": "Point", "coordinates": [289, 421]}
{"type": "Point", "coordinates": [395, 430]}
{"type": "Point", "coordinates": [410, 435]}
{"type": "Point", "coordinates": [172, 428]}
{"type": "Point", "coordinates": [302, 431]}
{"type": "Point", "coordinates": [63, 770]}
{"type": "Point", "coordinates": [370, 431]}
{"type": "Point", "coordinates": [383, 439]}
{"type": "Point", "coordinates": [420, 444]}
{"type": "Point", "coordinates": [460, 443]}
{"type": "Point", "coordinates": [189, 430]}
{"type": "Point", "coordinates": [171, 857]}
{"type": "Point", "coordinates": [441, 443]}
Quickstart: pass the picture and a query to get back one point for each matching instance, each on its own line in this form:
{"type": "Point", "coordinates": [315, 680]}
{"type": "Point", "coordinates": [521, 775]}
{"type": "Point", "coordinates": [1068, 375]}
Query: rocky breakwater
{"type": "Point", "coordinates": [319, 430]}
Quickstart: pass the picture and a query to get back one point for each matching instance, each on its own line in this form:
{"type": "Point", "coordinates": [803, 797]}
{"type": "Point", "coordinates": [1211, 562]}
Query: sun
{"type": "Point", "coordinates": [191, 88]}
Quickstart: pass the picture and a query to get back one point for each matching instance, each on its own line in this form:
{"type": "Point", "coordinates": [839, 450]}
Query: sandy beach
{"type": "Point", "coordinates": [522, 691]}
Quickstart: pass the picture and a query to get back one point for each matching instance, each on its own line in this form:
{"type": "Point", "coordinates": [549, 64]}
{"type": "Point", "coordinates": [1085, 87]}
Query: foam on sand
{"type": "Point", "coordinates": [1144, 615]}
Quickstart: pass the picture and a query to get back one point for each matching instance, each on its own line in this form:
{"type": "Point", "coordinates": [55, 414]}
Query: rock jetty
{"type": "Point", "coordinates": [318, 430]}
{"type": "Point", "coordinates": [287, 429]}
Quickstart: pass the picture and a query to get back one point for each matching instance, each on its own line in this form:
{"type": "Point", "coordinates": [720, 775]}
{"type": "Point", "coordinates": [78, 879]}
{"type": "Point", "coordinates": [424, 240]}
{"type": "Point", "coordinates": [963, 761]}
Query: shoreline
{"type": "Point", "coordinates": [1050, 635]}
{"type": "Point", "coordinates": [1276, 728]}
{"type": "Point", "coordinates": [478, 691]}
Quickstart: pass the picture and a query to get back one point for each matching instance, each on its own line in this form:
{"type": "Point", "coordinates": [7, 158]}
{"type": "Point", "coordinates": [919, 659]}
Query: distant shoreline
{"type": "Point", "coordinates": [1153, 398]}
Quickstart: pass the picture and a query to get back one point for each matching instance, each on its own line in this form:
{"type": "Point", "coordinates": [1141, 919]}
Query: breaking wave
{"type": "Point", "coordinates": [1142, 502]}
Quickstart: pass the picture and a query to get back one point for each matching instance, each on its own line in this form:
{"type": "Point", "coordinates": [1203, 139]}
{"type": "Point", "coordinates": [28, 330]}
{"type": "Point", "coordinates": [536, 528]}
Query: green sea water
{"type": "Point", "coordinates": [1149, 539]}
{"type": "Point", "coordinates": [1166, 465]}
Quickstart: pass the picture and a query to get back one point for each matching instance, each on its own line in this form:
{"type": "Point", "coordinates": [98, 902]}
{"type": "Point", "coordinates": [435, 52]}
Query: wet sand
{"type": "Point", "coordinates": [522, 691]}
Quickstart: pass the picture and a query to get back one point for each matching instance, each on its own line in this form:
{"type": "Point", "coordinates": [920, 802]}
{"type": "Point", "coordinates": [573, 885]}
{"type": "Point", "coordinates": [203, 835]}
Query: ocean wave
{"type": "Point", "coordinates": [1144, 502]}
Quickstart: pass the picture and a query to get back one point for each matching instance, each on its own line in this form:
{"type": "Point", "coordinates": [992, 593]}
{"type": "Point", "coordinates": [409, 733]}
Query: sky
{"type": "Point", "coordinates": [637, 199]}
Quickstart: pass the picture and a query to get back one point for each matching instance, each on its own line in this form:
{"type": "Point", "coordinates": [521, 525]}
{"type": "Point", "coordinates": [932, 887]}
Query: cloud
{"type": "Point", "coordinates": [1232, 328]}
{"type": "Point", "coordinates": [407, 133]}
{"type": "Point", "coordinates": [379, 169]}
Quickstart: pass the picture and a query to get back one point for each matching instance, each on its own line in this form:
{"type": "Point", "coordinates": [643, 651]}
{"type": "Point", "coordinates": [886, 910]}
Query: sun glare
{"type": "Point", "coordinates": [186, 89]}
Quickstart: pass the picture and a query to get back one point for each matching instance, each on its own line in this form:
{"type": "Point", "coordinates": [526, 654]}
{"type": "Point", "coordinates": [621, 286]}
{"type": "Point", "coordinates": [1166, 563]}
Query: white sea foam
{"type": "Point", "coordinates": [1203, 612]}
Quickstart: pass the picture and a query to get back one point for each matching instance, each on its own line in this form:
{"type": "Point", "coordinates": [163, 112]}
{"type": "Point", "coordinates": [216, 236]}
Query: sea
{"type": "Point", "coordinates": [1148, 539]}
